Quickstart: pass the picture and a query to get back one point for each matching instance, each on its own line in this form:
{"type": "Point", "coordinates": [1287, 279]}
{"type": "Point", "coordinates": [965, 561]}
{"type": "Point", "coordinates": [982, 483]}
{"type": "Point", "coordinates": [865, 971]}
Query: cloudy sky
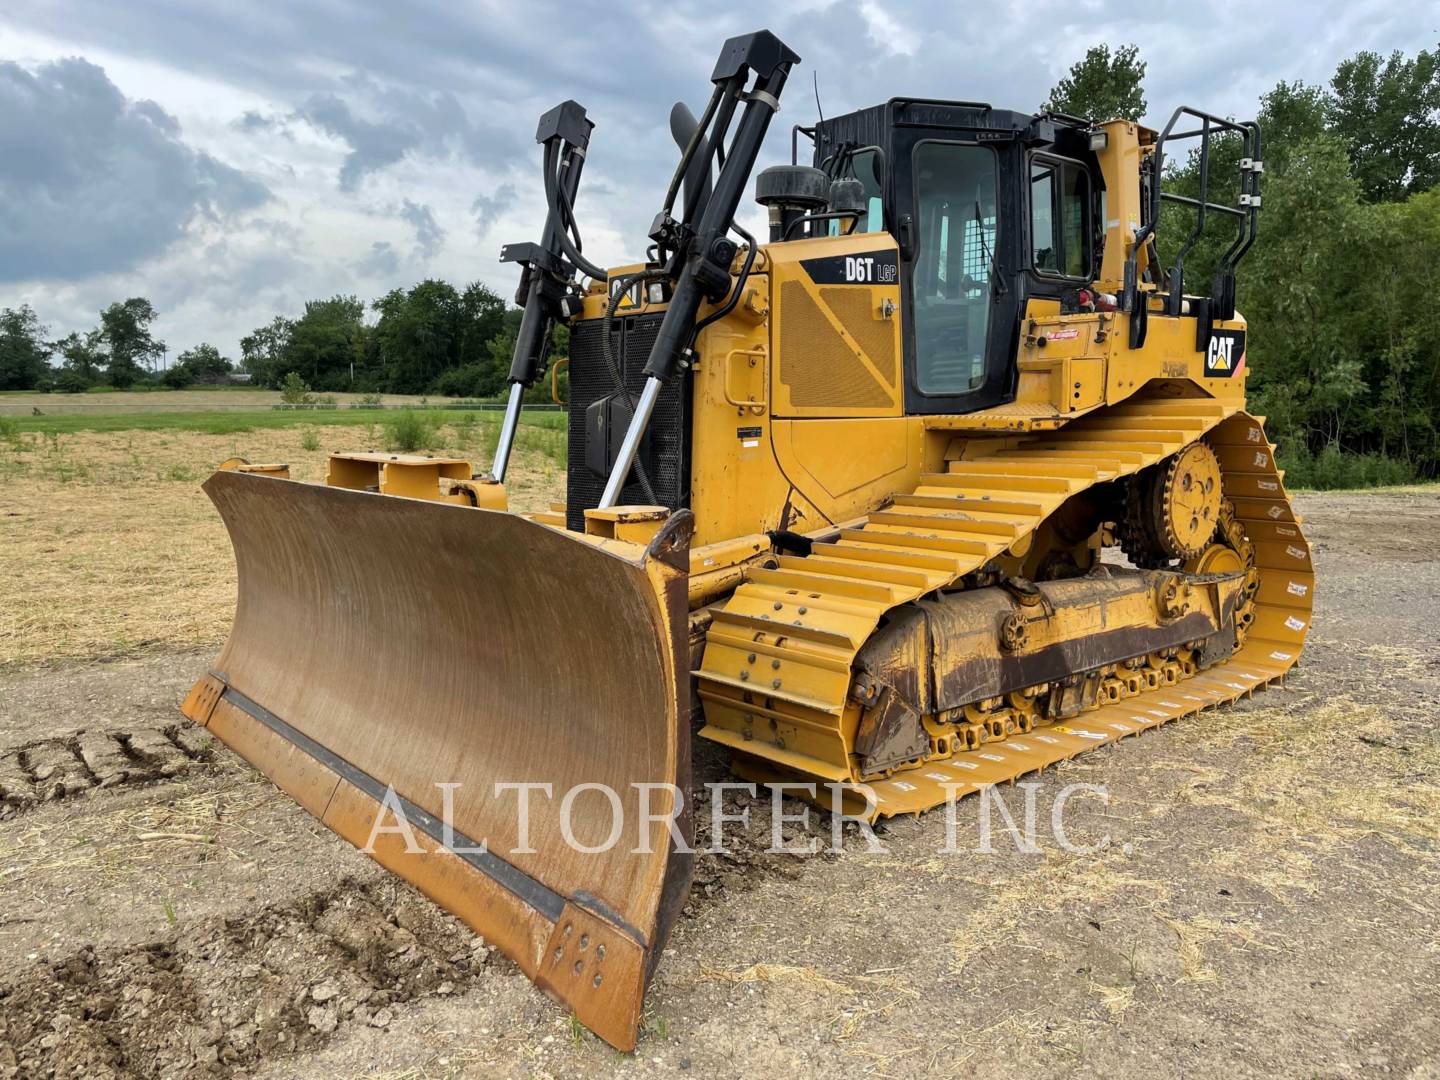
{"type": "Point", "coordinates": [229, 160]}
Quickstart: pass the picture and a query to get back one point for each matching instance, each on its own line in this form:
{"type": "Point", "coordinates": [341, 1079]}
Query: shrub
{"type": "Point", "coordinates": [464, 430]}
{"type": "Point", "coordinates": [466, 381]}
{"type": "Point", "coordinates": [70, 381]}
{"type": "Point", "coordinates": [310, 439]}
{"type": "Point", "coordinates": [1332, 469]}
{"type": "Point", "coordinates": [177, 377]}
{"type": "Point", "coordinates": [293, 390]}
{"type": "Point", "coordinates": [407, 431]}
{"type": "Point", "coordinates": [9, 429]}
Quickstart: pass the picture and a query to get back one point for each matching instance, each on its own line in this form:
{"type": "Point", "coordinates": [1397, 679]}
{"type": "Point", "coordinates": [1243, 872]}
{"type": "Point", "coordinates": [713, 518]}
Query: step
{"type": "Point", "coordinates": [967, 527]}
{"type": "Point", "coordinates": [888, 575]}
{"type": "Point", "coordinates": [962, 478]}
{"type": "Point", "coordinates": [824, 584]}
{"type": "Point", "coordinates": [860, 552]}
{"type": "Point", "coordinates": [999, 507]}
{"type": "Point", "coordinates": [921, 543]}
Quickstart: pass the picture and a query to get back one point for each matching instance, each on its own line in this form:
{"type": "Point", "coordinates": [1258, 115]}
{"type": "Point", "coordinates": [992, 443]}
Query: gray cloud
{"type": "Point", "coordinates": [93, 182]}
{"type": "Point", "coordinates": [428, 234]}
{"type": "Point", "coordinates": [381, 261]}
{"type": "Point", "coordinates": [438, 106]}
{"type": "Point", "coordinates": [382, 125]}
{"type": "Point", "coordinates": [252, 121]}
{"type": "Point", "coordinates": [487, 208]}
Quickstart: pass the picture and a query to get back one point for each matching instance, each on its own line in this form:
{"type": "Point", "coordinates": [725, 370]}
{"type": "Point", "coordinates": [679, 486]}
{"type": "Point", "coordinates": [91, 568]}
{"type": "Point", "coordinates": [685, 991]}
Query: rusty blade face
{"type": "Point", "coordinates": [426, 666]}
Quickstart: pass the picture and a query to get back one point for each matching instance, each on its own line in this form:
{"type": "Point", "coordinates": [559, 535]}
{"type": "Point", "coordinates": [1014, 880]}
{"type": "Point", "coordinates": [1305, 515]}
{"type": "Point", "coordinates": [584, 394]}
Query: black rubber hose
{"type": "Point", "coordinates": [554, 199]}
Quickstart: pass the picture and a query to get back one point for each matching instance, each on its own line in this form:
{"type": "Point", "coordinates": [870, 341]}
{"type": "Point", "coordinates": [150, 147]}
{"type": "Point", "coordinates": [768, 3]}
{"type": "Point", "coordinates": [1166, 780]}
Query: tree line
{"type": "Point", "coordinates": [1340, 288]}
{"type": "Point", "coordinates": [428, 339]}
{"type": "Point", "coordinates": [121, 351]}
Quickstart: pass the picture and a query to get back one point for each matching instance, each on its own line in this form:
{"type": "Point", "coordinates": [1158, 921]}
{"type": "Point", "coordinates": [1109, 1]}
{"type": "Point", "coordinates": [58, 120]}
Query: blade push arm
{"type": "Point", "coordinates": [703, 251]}
{"type": "Point", "coordinates": [547, 292]}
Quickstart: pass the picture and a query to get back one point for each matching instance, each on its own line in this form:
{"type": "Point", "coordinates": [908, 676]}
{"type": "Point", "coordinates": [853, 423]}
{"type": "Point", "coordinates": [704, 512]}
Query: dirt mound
{"type": "Point", "coordinates": [222, 995]}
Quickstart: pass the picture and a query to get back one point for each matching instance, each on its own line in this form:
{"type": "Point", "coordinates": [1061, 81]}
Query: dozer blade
{"type": "Point", "coordinates": [390, 654]}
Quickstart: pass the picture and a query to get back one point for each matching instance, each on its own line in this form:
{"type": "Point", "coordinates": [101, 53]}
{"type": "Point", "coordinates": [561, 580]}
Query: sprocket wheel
{"type": "Point", "coordinates": [1172, 508]}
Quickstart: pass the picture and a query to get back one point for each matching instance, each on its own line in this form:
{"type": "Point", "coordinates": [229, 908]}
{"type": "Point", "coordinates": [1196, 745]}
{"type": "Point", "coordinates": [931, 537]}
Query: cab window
{"type": "Point", "coordinates": [1060, 224]}
{"type": "Point", "coordinates": [954, 272]}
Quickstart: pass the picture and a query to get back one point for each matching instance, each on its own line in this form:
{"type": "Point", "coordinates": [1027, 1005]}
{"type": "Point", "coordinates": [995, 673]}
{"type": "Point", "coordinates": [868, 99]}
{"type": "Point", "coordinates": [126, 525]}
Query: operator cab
{"type": "Point", "coordinates": [988, 209]}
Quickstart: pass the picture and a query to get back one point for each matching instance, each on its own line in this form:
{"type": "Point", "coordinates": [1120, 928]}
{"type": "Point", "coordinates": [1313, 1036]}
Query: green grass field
{"type": "Point", "coordinates": [218, 411]}
{"type": "Point", "coordinates": [233, 421]}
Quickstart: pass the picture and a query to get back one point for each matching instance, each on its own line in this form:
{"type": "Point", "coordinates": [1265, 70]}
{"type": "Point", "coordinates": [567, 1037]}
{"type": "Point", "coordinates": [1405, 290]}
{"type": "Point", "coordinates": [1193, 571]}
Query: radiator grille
{"type": "Point", "coordinates": [823, 371]}
{"type": "Point", "coordinates": [666, 449]}
{"type": "Point", "coordinates": [876, 337]}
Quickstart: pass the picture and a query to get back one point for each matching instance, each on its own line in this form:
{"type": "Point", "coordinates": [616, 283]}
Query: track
{"type": "Point", "coordinates": [779, 653]}
{"type": "Point", "coordinates": [64, 768]}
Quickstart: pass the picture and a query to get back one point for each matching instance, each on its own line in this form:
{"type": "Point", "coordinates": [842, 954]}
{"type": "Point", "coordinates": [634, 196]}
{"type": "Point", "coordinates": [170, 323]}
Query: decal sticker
{"type": "Point", "coordinates": [1295, 552]}
{"type": "Point", "coordinates": [1295, 588]}
{"type": "Point", "coordinates": [1226, 354]}
{"type": "Point", "coordinates": [1280, 656]}
{"type": "Point", "coordinates": [1295, 624]}
{"type": "Point", "coordinates": [1069, 333]}
{"type": "Point", "coordinates": [866, 268]}
{"type": "Point", "coordinates": [1268, 485]}
{"type": "Point", "coordinates": [632, 297]}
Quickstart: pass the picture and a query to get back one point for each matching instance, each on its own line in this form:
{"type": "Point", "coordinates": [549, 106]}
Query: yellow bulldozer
{"type": "Point", "coordinates": [947, 481]}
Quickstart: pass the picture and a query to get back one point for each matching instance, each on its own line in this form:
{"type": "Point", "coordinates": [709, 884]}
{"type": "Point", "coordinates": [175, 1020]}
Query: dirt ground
{"type": "Point", "coordinates": [1267, 902]}
{"type": "Point", "coordinates": [110, 549]}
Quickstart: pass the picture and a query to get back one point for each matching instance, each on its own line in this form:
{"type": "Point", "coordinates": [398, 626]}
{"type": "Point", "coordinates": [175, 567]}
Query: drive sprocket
{"type": "Point", "coordinates": [1172, 508]}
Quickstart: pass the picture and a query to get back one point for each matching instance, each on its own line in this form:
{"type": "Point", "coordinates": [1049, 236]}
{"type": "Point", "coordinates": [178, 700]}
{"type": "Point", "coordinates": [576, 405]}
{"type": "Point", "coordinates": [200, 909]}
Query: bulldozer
{"type": "Point", "coordinates": [948, 480]}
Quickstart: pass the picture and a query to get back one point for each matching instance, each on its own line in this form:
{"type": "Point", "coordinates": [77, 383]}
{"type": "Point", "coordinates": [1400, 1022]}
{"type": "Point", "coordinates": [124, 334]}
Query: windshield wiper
{"type": "Point", "coordinates": [996, 281]}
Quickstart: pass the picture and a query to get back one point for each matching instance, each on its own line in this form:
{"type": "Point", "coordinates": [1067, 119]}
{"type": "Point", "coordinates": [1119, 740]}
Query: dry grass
{"type": "Point", "coordinates": [802, 977]}
{"type": "Point", "coordinates": [848, 1021]}
{"type": "Point", "coordinates": [1116, 999]}
{"type": "Point", "coordinates": [1321, 773]}
{"type": "Point", "coordinates": [1062, 881]}
{"type": "Point", "coordinates": [191, 830]}
{"type": "Point", "coordinates": [111, 548]}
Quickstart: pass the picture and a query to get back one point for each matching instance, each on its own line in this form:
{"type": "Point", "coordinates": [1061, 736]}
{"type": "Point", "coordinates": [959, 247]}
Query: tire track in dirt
{"type": "Point", "coordinates": [63, 768]}
{"type": "Point", "coordinates": [223, 995]}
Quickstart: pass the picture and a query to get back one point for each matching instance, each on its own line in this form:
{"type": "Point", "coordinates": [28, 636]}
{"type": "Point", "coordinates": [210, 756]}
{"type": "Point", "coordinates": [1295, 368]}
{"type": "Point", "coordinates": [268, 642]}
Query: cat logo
{"type": "Point", "coordinates": [1225, 355]}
